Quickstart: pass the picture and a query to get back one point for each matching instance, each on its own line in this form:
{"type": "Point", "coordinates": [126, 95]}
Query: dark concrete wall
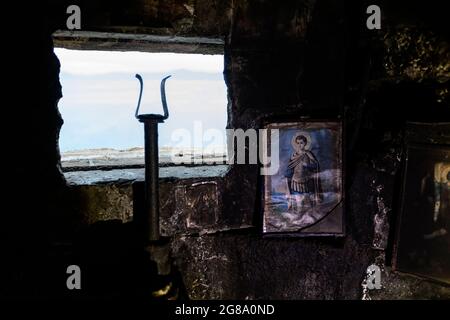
{"type": "Point", "coordinates": [291, 58]}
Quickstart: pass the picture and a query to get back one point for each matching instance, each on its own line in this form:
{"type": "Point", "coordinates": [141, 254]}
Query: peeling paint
{"type": "Point", "coordinates": [380, 221]}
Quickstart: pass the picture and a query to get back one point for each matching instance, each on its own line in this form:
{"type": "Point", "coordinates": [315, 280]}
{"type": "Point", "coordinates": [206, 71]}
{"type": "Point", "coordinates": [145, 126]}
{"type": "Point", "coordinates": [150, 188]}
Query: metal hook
{"type": "Point", "coordinates": [163, 97]}
{"type": "Point", "coordinates": [163, 101]}
{"type": "Point", "coordinates": [138, 76]}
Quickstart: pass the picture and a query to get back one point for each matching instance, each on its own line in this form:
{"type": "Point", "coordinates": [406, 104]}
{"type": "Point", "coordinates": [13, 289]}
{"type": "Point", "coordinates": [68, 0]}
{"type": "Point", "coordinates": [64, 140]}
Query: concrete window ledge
{"type": "Point", "coordinates": [191, 198]}
{"type": "Point", "coordinates": [95, 177]}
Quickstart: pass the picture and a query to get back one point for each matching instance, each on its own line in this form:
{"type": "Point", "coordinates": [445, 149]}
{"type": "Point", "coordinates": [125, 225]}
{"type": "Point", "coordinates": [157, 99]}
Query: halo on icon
{"type": "Point", "coordinates": [305, 134]}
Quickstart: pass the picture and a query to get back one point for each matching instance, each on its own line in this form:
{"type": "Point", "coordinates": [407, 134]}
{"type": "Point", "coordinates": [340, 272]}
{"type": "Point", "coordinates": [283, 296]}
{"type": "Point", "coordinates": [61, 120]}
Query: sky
{"type": "Point", "coordinates": [100, 94]}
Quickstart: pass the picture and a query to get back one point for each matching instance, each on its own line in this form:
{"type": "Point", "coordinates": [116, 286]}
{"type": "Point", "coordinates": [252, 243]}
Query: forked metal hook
{"type": "Point", "coordinates": [142, 117]}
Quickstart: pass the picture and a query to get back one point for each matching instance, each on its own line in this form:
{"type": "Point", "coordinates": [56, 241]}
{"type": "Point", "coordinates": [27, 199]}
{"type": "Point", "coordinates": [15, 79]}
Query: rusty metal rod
{"type": "Point", "coordinates": [151, 178]}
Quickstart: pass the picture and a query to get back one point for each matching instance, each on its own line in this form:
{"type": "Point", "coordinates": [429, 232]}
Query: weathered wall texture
{"type": "Point", "coordinates": [282, 59]}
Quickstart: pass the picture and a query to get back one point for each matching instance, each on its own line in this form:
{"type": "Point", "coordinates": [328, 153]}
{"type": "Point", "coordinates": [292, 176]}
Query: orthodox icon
{"type": "Point", "coordinates": [305, 195]}
{"type": "Point", "coordinates": [423, 234]}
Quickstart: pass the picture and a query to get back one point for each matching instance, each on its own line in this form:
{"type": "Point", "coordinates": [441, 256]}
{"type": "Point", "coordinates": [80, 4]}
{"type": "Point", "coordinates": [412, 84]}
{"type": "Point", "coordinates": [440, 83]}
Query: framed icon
{"type": "Point", "coordinates": [304, 197]}
{"type": "Point", "coordinates": [422, 245]}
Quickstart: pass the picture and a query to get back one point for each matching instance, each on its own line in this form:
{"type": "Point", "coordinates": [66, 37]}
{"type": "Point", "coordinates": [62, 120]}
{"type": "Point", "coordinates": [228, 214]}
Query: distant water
{"type": "Point", "coordinates": [135, 156]}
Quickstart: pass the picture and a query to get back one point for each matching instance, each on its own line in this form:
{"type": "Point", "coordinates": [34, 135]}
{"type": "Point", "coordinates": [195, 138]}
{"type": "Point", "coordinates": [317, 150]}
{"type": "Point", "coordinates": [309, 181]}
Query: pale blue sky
{"type": "Point", "coordinates": [100, 95]}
